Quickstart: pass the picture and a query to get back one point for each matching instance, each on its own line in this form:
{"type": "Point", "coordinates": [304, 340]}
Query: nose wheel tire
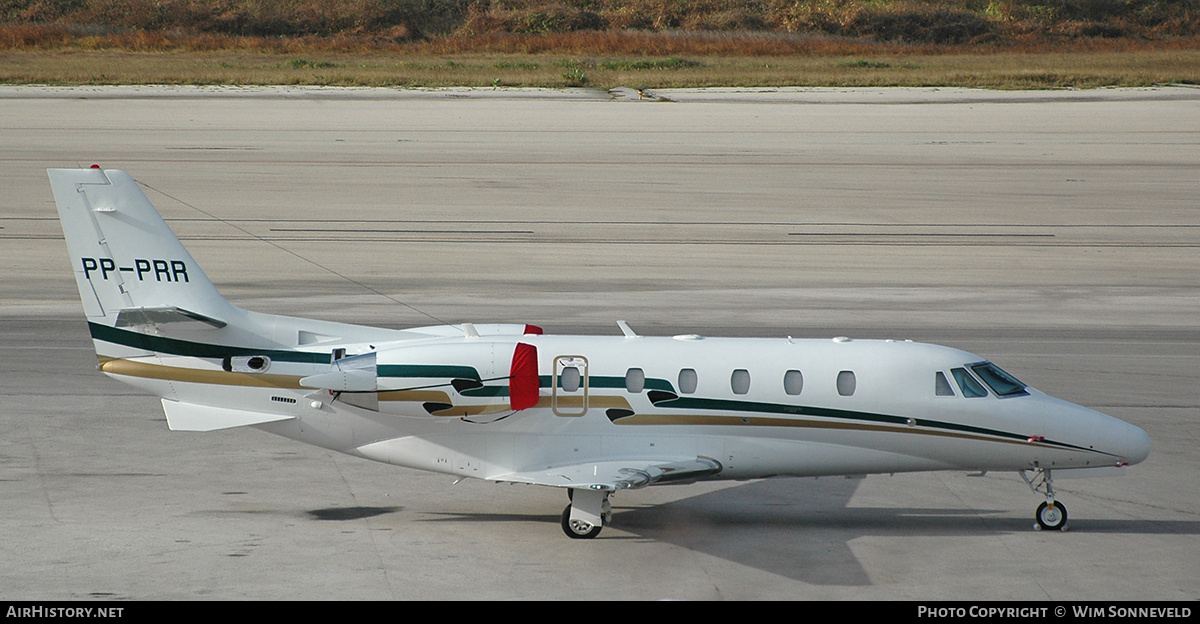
{"type": "Point", "coordinates": [1051, 517]}
{"type": "Point", "coordinates": [578, 529]}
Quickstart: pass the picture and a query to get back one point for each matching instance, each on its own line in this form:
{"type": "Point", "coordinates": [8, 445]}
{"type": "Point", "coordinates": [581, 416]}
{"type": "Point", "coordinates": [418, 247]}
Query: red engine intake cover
{"type": "Point", "coordinates": [523, 378]}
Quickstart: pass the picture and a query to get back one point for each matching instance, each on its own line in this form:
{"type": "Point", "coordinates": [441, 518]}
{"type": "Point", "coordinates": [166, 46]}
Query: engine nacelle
{"type": "Point", "coordinates": [461, 377]}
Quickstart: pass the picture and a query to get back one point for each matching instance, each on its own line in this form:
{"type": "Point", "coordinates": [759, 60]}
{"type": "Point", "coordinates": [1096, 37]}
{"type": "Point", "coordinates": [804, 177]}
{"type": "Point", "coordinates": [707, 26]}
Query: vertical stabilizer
{"type": "Point", "coordinates": [128, 264]}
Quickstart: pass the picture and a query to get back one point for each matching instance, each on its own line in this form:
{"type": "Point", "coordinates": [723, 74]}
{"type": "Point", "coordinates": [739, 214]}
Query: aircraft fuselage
{"type": "Point", "coordinates": [590, 414]}
{"type": "Point", "coordinates": [761, 407]}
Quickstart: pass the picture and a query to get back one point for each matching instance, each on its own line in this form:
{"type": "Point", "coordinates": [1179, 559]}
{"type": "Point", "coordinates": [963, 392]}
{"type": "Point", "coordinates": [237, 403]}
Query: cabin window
{"type": "Point", "coordinates": [687, 380]}
{"type": "Point", "coordinates": [970, 388]}
{"type": "Point", "coordinates": [740, 381]}
{"type": "Point", "coordinates": [568, 379]}
{"type": "Point", "coordinates": [793, 382]}
{"type": "Point", "coordinates": [635, 380]}
{"type": "Point", "coordinates": [846, 383]}
{"type": "Point", "coordinates": [942, 385]}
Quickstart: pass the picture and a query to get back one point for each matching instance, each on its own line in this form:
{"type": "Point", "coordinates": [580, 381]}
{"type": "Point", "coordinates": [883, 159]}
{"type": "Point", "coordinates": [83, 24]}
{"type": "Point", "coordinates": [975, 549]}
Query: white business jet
{"type": "Point", "coordinates": [588, 414]}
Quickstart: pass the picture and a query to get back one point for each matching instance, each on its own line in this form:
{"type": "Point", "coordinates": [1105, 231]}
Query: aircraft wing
{"type": "Point", "coordinates": [618, 475]}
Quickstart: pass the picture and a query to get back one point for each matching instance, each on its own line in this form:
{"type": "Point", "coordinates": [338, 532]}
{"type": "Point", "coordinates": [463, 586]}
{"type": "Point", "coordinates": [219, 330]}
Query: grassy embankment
{"type": "Point", "coordinates": [602, 43]}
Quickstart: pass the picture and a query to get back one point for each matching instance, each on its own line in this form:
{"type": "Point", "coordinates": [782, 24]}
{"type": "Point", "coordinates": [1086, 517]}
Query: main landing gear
{"type": "Point", "coordinates": [1051, 515]}
{"type": "Point", "coordinates": [588, 512]}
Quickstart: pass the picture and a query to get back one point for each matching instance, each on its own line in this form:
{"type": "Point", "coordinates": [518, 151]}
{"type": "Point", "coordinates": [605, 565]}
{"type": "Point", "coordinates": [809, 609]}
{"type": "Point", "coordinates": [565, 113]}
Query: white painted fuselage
{"type": "Point", "coordinates": [593, 414]}
{"type": "Point", "coordinates": [893, 421]}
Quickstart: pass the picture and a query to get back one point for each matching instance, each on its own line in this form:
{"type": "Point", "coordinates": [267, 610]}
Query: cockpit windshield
{"type": "Point", "coordinates": [1000, 382]}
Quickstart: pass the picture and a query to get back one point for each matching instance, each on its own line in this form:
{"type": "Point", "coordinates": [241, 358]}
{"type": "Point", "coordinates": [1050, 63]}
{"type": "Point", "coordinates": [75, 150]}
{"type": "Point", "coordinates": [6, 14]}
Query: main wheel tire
{"type": "Point", "coordinates": [578, 529]}
{"type": "Point", "coordinates": [1051, 518]}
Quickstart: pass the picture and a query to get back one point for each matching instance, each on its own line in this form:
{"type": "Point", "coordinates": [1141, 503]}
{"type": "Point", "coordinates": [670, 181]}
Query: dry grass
{"type": "Point", "coordinates": [225, 67]}
{"type": "Point", "coordinates": [932, 21]}
{"type": "Point", "coordinates": [602, 43]}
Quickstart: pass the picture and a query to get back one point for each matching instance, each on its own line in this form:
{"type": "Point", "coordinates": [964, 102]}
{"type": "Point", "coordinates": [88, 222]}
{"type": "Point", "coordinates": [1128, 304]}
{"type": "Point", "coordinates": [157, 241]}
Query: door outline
{"type": "Point", "coordinates": [573, 404]}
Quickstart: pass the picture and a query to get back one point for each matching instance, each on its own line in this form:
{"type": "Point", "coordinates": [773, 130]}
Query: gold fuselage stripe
{"type": "Point", "coordinates": [131, 368]}
{"type": "Point", "coordinates": [146, 370]}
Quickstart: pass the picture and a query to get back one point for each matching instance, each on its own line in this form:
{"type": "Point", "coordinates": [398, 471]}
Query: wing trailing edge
{"type": "Point", "coordinates": [619, 475]}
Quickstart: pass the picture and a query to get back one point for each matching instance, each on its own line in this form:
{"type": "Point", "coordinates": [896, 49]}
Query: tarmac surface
{"type": "Point", "coordinates": [1055, 233]}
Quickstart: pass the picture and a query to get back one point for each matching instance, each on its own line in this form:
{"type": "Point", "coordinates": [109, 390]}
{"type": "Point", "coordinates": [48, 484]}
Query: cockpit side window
{"type": "Point", "coordinates": [970, 388]}
{"type": "Point", "coordinates": [941, 386]}
{"type": "Point", "coordinates": [1000, 382]}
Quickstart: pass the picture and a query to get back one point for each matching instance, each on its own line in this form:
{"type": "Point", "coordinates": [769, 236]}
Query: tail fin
{"type": "Point", "coordinates": [130, 267]}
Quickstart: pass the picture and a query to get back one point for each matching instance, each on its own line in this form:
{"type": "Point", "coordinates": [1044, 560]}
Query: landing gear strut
{"type": "Point", "coordinates": [1051, 515]}
{"type": "Point", "coordinates": [588, 512]}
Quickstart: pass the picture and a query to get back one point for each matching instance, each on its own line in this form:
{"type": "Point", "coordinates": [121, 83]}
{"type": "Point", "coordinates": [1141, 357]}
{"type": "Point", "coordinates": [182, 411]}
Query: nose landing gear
{"type": "Point", "coordinates": [1051, 515]}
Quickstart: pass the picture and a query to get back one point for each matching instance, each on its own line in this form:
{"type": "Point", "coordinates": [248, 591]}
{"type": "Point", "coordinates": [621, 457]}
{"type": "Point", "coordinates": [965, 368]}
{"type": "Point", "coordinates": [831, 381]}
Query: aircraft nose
{"type": "Point", "coordinates": [1116, 438]}
{"type": "Point", "coordinates": [1137, 444]}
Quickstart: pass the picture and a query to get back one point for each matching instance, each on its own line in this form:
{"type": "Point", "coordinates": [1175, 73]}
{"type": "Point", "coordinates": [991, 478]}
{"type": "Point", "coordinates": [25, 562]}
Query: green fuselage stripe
{"type": "Point", "coordinates": [175, 346]}
{"type": "Point", "coordinates": [428, 371]}
{"type": "Point", "coordinates": [690, 403]}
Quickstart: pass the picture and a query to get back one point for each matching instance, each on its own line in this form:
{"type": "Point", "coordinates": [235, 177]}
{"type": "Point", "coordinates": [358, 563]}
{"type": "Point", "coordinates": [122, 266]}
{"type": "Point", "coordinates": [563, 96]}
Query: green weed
{"type": "Point", "coordinates": [307, 64]}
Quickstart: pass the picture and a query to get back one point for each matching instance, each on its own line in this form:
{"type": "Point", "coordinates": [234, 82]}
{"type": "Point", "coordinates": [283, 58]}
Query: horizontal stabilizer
{"type": "Point", "coordinates": [192, 417]}
{"type": "Point", "coordinates": [130, 317]}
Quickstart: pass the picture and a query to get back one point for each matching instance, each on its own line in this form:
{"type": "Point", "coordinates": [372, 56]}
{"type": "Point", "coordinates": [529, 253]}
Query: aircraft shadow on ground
{"type": "Point", "coordinates": [802, 528]}
{"type": "Point", "coordinates": [350, 513]}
